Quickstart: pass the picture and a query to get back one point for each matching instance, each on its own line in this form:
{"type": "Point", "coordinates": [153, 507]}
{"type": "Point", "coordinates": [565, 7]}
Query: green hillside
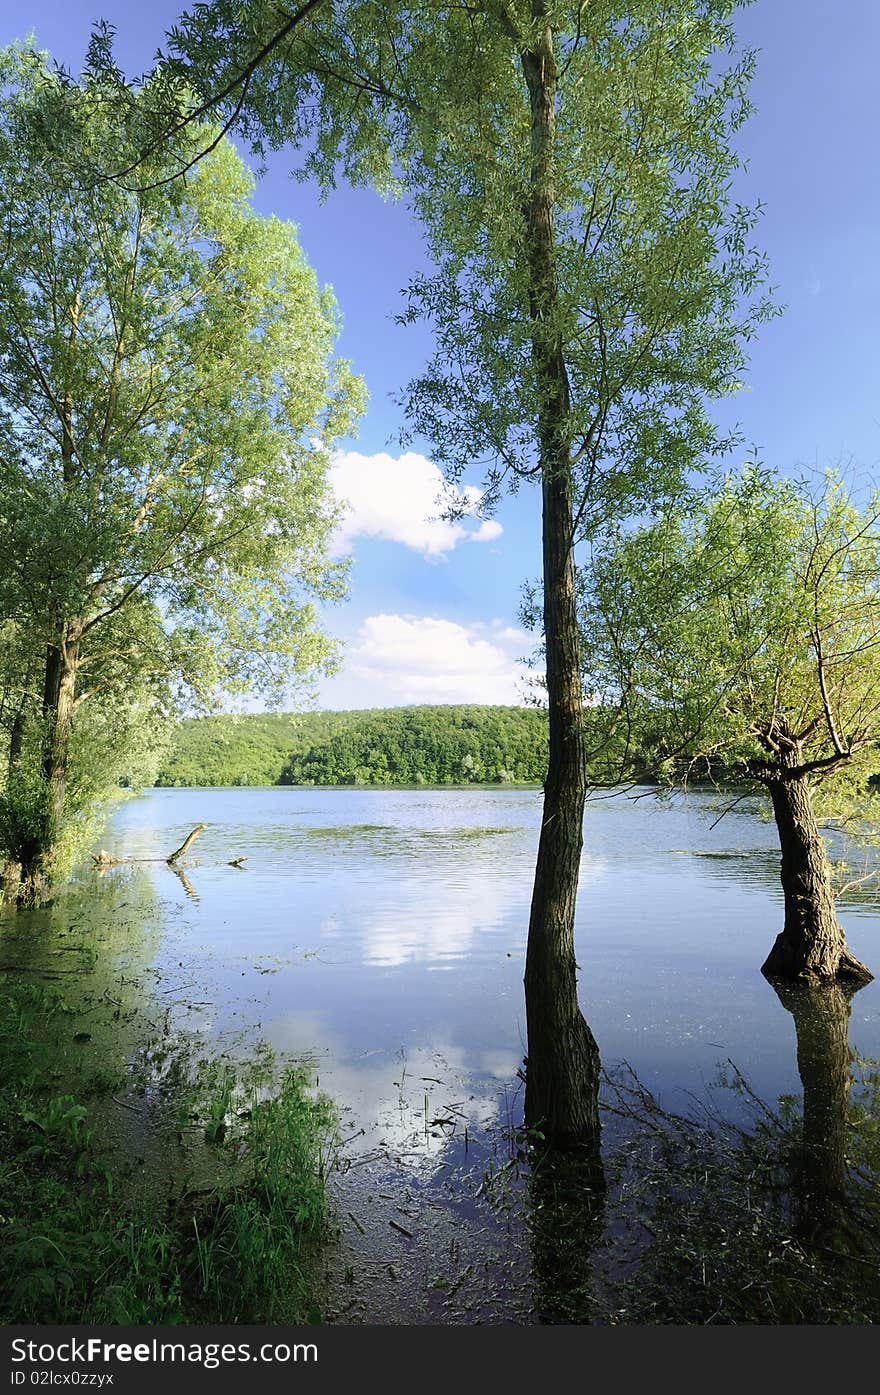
{"type": "Point", "coordinates": [447, 745]}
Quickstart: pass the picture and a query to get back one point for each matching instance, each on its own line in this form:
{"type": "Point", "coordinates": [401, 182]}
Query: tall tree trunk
{"type": "Point", "coordinates": [59, 686]}
{"type": "Point", "coordinates": [16, 736]}
{"type": "Point", "coordinates": [59, 692]}
{"type": "Point", "coordinates": [11, 871]}
{"type": "Point", "coordinates": [812, 945]}
{"type": "Point", "coordinates": [821, 1019]}
{"type": "Point", "coordinates": [562, 1069]}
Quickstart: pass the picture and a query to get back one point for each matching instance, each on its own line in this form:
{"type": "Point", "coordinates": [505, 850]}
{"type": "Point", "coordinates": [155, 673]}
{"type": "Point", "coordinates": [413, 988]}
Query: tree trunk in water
{"type": "Point", "coordinates": [821, 1019]}
{"type": "Point", "coordinates": [562, 1068]}
{"type": "Point", "coordinates": [38, 858]}
{"type": "Point", "coordinates": [812, 945]}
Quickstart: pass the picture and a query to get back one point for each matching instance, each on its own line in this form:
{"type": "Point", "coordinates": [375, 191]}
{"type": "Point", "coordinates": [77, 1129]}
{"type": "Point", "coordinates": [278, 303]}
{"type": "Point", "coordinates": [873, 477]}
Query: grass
{"type": "Point", "coordinates": [81, 1245]}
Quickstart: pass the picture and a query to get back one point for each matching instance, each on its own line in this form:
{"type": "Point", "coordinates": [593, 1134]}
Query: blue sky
{"type": "Point", "coordinates": [432, 611]}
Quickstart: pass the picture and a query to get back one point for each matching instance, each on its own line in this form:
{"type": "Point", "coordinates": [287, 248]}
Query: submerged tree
{"type": "Point", "coordinates": [743, 630]}
{"type": "Point", "coordinates": [168, 400]}
{"type": "Point", "coordinates": [570, 166]}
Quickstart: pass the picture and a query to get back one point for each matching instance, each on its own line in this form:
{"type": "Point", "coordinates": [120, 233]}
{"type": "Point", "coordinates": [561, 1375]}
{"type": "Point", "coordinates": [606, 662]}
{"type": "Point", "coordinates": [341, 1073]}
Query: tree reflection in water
{"type": "Point", "coordinates": [567, 1214]}
{"type": "Point", "coordinates": [701, 1218]}
{"type": "Point", "coordinates": [821, 1209]}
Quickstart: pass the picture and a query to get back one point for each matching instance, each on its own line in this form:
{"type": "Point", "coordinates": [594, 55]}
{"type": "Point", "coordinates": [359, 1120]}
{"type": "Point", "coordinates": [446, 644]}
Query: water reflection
{"type": "Point", "coordinates": [414, 1106]}
{"type": "Point", "coordinates": [819, 1182]}
{"type": "Point", "coordinates": [407, 930]}
{"type": "Point", "coordinates": [93, 949]}
{"type": "Point", "coordinates": [396, 918]}
{"type": "Point", "coordinates": [567, 1217]}
{"type": "Point", "coordinates": [185, 882]}
{"type": "Point", "coordinates": [379, 937]}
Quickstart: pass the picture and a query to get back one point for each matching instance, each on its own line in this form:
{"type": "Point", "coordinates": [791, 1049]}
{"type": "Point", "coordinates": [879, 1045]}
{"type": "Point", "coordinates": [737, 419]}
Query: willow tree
{"type": "Point", "coordinates": [570, 167]}
{"type": "Point", "coordinates": [741, 632]}
{"type": "Point", "coordinates": [166, 370]}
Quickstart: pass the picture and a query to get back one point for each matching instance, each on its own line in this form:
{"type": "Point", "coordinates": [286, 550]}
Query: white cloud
{"type": "Point", "coordinates": [401, 499]}
{"type": "Point", "coordinates": [399, 659]}
{"type": "Point", "coordinates": [506, 634]}
{"type": "Point", "coordinates": [408, 931]}
{"type": "Point", "coordinates": [389, 1105]}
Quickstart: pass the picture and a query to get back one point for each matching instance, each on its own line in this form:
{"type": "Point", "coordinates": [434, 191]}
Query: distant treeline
{"type": "Point", "coordinates": [447, 745]}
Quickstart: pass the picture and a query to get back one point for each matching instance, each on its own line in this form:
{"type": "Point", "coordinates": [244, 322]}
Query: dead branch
{"type": "Point", "coordinates": [188, 840]}
{"type": "Point", "coordinates": [103, 859]}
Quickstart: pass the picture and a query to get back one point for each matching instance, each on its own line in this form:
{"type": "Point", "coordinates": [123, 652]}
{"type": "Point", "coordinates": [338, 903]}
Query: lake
{"type": "Point", "coordinates": [379, 935]}
{"type": "Point", "coordinates": [374, 926]}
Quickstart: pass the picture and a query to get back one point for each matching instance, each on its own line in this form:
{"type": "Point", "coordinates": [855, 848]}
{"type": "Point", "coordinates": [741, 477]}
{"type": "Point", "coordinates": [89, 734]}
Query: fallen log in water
{"type": "Point", "coordinates": [190, 838]}
{"type": "Point", "coordinates": [103, 859]}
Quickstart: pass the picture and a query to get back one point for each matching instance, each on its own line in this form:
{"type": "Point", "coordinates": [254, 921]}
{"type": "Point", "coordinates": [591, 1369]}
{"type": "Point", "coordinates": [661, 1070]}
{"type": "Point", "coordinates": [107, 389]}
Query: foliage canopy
{"type": "Point", "coordinates": [657, 285]}
{"type": "Point", "coordinates": [740, 620]}
{"type": "Point", "coordinates": [393, 746]}
{"type": "Point", "coordinates": [168, 403]}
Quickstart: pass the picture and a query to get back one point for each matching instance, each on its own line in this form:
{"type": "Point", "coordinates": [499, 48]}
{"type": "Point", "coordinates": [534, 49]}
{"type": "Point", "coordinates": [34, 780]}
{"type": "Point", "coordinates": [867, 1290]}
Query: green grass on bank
{"type": "Point", "coordinates": [83, 1244]}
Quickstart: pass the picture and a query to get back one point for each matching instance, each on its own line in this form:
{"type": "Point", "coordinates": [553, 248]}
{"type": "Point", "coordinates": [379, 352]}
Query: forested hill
{"type": "Point", "coordinates": [386, 746]}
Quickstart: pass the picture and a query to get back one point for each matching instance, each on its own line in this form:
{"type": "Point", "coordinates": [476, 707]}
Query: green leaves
{"type": "Point", "coordinates": [168, 403]}
{"type": "Point", "coordinates": [658, 287]}
{"type": "Point", "coordinates": [165, 370]}
{"type": "Point", "coordinates": [165, 367]}
{"type": "Point", "coordinates": [740, 619]}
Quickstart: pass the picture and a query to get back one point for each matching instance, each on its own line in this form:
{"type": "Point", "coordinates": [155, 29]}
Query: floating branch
{"type": "Point", "coordinates": [103, 859]}
{"type": "Point", "coordinates": [187, 842]}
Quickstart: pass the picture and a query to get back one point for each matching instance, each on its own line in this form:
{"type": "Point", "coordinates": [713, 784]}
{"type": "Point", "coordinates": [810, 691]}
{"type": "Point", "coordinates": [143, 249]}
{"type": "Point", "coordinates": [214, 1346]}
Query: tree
{"type": "Point", "coordinates": [124, 716]}
{"type": "Point", "coordinates": [168, 400]}
{"type": "Point", "coordinates": [570, 167]}
{"type": "Point", "coordinates": [744, 628]}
